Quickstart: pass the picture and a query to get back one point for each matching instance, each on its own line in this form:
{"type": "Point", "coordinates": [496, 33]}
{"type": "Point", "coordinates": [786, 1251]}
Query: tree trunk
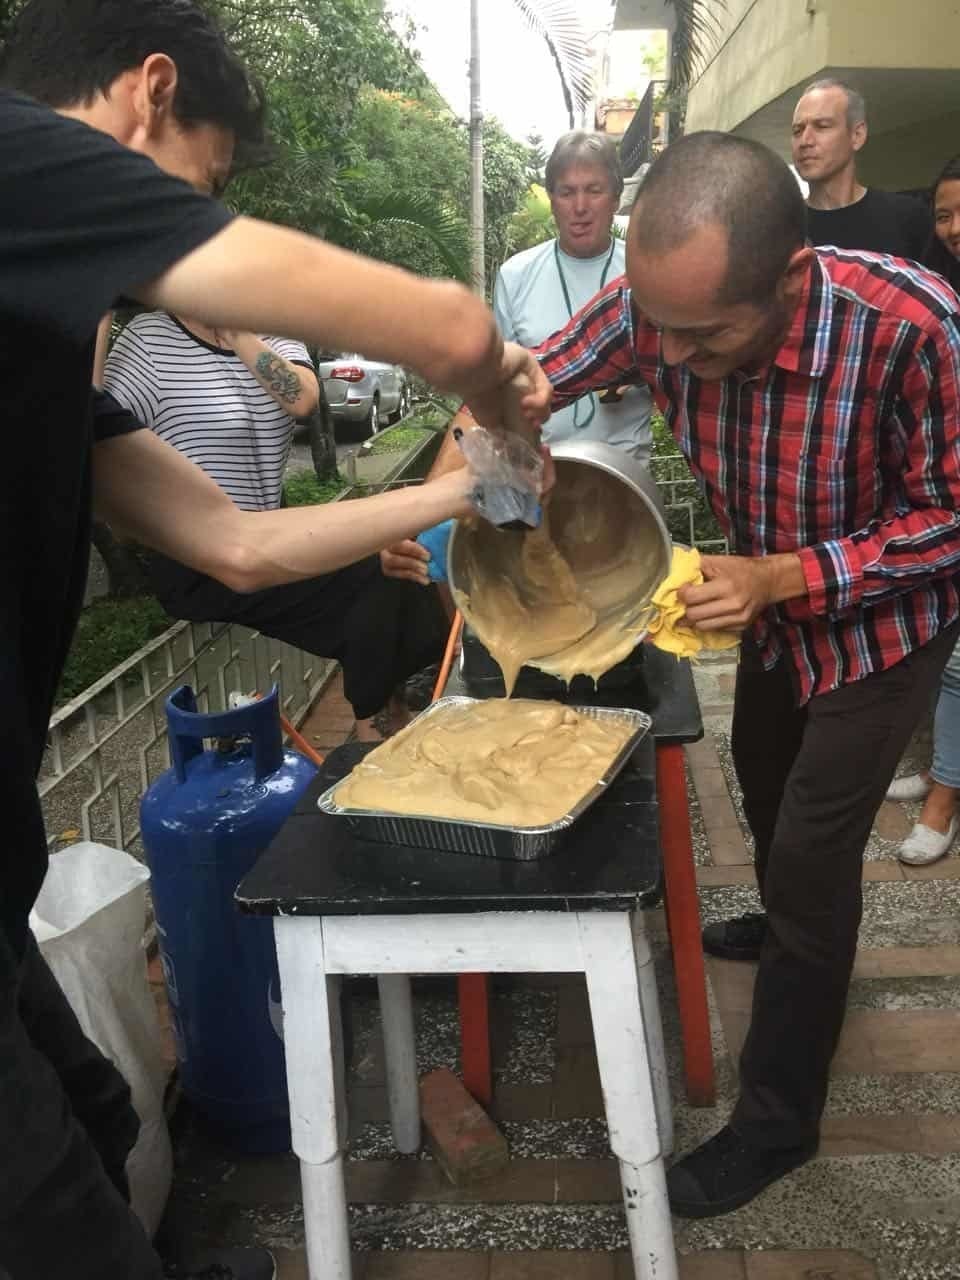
{"type": "Point", "coordinates": [477, 229]}
{"type": "Point", "coordinates": [125, 563]}
{"type": "Point", "coordinates": [323, 448]}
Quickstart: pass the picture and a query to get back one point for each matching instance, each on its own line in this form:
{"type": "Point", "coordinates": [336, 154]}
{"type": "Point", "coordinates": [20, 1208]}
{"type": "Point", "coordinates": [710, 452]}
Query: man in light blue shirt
{"type": "Point", "coordinates": [536, 293]}
{"type": "Point", "coordinates": [539, 290]}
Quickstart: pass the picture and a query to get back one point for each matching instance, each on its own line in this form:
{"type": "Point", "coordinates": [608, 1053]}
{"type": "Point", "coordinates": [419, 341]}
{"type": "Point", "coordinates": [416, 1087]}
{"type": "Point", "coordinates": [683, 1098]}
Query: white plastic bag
{"type": "Point", "coordinates": [88, 921]}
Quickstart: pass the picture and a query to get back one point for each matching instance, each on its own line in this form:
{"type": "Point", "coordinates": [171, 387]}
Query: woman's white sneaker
{"type": "Point", "coordinates": [914, 786]}
{"type": "Point", "coordinates": [924, 845]}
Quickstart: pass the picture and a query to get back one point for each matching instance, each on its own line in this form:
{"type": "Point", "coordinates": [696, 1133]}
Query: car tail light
{"type": "Point", "coordinates": [347, 372]}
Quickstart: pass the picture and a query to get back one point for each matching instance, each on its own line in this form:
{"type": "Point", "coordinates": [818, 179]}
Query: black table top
{"type": "Point", "coordinates": [609, 860]}
{"type": "Point", "coordinates": [651, 681]}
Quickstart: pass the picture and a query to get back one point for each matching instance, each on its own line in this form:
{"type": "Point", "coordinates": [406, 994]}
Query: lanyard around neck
{"type": "Point", "coordinates": [591, 398]}
{"type": "Point", "coordinates": [563, 278]}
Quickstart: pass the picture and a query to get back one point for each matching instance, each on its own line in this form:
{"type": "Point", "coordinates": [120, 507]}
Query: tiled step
{"type": "Point", "coordinates": [896, 913]}
{"type": "Point", "coordinates": [830, 1203]}
{"type": "Point", "coordinates": [715, 1264]}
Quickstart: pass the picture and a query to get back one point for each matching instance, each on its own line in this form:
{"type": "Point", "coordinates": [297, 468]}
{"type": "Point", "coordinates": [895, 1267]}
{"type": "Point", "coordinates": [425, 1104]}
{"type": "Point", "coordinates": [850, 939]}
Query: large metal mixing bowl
{"type": "Point", "coordinates": [606, 518]}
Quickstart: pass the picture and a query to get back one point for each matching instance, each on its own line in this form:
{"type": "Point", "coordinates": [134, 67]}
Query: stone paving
{"type": "Point", "coordinates": [881, 1201]}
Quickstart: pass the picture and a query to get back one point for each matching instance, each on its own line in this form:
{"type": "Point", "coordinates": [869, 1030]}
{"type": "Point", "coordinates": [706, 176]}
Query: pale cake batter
{"type": "Point", "coordinates": [571, 598]}
{"type": "Point", "coordinates": [515, 763]}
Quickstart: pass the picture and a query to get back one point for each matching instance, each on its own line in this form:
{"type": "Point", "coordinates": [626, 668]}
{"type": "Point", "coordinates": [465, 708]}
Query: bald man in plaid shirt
{"type": "Point", "coordinates": [815, 394]}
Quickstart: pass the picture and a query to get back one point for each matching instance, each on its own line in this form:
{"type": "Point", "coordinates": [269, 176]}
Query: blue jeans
{"type": "Point", "coordinates": [946, 726]}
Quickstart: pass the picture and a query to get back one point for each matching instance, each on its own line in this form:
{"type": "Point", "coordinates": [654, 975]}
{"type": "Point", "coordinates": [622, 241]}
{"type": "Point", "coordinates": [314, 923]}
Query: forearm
{"type": "Point", "coordinates": [266, 548]}
{"type": "Point", "coordinates": [268, 279]}
{"type": "Point", "coordinates": [293, 387]}
{"type": "Point", "coordinates": [145, 489]}
{"type": "Point", "coordinates": [882, 561]}
{"type": "Point", "coordinates": [102, 348]}
{"type": "Point", "coordinates": [786, 577]}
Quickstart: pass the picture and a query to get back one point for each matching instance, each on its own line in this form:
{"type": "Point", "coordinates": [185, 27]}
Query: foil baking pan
{"type": "Point", "coordinates": [518, 844]}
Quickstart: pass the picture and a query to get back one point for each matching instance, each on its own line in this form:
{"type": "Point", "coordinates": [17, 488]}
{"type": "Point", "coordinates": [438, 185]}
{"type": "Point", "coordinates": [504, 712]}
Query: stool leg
{"type": "Point", "coordinates": [400, 1051]}
{"type": "Point", "coordinates": [607, 948]}
{"type": "Point", "coordinates": [473, 990]}
{"type": "Point", "coordinates": [312, 1044]}
{"type": "Point", "coordinates": [653, 1029]}
{"type": "Point", "coordinates": [683, 917]}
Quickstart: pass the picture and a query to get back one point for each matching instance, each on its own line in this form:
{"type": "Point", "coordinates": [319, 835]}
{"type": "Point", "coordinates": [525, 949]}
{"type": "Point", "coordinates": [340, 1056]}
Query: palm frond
{"type": "Point", "coordinates": [694, 38]}
{"type": "Point", "coordinates": [445, 230]}
{"type": "Point", "coordinates": [557, 21]}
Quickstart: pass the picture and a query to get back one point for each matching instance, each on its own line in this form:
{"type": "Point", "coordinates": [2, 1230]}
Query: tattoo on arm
{"type": "Point", "coordinates": [280, 378]}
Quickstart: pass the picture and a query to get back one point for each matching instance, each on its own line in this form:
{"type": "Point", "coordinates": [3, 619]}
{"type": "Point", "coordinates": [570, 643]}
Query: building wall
{"type": "Point", "coordinates": [910, 157]}
{"type": "Point", "coordinates": [764, 47]}
{"type": "Point", "coordinates": [892, 33]}
{"type": "Point", "coordinates": [904, 56]}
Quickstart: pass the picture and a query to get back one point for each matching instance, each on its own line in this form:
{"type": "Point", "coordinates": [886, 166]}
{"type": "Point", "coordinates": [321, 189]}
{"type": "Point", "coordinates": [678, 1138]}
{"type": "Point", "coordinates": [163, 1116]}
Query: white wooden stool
{"type": "Point", "coordinates": [344, 906]}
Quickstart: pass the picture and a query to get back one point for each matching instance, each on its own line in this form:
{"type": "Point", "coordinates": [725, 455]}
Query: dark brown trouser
{"type": "Point", "coordinates": [813, 778]}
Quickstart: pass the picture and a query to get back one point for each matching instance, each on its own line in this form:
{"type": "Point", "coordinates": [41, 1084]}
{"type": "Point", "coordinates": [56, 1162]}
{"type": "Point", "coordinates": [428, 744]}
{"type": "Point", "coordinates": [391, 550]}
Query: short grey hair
{"type": "Point", "coordinates": [581, 147]}
{"type": "Point", "coordinates": [856, 103]}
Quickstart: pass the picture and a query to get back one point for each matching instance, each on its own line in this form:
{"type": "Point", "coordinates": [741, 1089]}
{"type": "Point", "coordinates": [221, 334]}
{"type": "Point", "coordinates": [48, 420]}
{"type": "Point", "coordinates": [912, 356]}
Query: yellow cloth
{"type": "Point", "coordinates": [668, 629]}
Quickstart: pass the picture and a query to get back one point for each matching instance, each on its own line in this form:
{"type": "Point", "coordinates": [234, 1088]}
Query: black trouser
{"type": "Point", "coordinates": [813, 778]}
{"type": "Point", "coordinates": [66, 1128]}
{"type": "Point", "coordinates": [381, 630]}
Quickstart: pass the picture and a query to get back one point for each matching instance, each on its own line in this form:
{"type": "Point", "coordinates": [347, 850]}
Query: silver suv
{"type": "Point", "coordinates": [364, 391]}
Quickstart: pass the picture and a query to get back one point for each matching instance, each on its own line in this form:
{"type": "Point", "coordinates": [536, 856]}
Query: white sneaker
{"type": "Point", "coordinates": [913, 786]}
{"type": "Point", "coordinates": [924, 845]}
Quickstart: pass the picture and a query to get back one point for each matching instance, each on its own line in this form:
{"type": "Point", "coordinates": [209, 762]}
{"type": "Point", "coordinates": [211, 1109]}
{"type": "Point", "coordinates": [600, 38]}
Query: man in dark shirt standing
{"type": "Point", "coordinates": [829, 128]}
{"type": "Point", "coordinates": [136, 111]}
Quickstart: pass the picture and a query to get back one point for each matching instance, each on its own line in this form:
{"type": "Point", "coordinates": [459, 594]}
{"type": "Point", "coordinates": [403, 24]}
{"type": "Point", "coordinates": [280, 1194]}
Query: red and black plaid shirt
{"type": "Point", "coordinates": [845, 450]}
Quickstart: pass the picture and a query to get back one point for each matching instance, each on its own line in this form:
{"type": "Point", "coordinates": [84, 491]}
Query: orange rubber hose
{"type": "Point", "coordinates": [300, 742]}
{"type": "Point", "coordinates": [453, 640]}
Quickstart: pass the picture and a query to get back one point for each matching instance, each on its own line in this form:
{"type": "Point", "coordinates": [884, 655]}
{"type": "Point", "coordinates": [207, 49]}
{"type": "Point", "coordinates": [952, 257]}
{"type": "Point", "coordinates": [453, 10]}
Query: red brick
{"type": "Point", "coordinates": [462, 1136]}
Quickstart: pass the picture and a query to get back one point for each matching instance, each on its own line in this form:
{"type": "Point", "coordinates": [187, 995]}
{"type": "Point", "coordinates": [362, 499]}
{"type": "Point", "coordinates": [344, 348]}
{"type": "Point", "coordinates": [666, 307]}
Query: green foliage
{"type": "Point", "coordinates": [681, 493]}
{"type": "Point", "coordinates": [558, 22]}
{"type": "Point", "coordinates": [314, 57]}
{"type": "Point", "coordinates": [537, 160]}
{"type": "Point", "coordinates": [367, 153]}
{"type": "Point", "coordinates": [303, 489]}
{"type": "Point", "coordinates": [397, 439]}
{"type": "Point", "coordinates": [696, 35]}
{"type": "Point", "coordinates": [108, 632]}
{"type": "Point", "coordinates": [533, 222]}
{"type": "Point", "coordinates": [504, 182]}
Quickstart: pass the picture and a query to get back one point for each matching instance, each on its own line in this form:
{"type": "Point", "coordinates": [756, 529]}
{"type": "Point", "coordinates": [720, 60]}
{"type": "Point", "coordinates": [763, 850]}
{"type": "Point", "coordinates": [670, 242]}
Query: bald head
{"type": "Point", "coordinates": [739, 187]}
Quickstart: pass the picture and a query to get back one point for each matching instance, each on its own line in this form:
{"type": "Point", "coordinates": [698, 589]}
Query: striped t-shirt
{"type": "Point", "coordinates": [206, 403]}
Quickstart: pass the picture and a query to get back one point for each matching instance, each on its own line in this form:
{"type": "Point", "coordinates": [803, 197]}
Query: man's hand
{"type": "Point", "coordinates": [521, 401]}
{"type": "Point", "coordinates": [737, 589]}
{"type": "Point", "coordinates": [407, 559]}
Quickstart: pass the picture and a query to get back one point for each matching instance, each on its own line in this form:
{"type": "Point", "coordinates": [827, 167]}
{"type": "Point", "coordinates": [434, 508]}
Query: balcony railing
{"type": "Point", "coordinates": [636, 145]}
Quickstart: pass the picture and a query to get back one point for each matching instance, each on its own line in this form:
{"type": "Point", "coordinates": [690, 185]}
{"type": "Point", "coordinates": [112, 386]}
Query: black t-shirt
{"type": "Point", "coordinates": [881, 221]}
{"type": "Point", "coordinates": [83, 221]}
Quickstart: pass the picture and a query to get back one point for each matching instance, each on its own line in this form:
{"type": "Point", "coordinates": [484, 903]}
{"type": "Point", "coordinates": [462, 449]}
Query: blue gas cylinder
{"type": "Point", "coordinates": [205, 822]}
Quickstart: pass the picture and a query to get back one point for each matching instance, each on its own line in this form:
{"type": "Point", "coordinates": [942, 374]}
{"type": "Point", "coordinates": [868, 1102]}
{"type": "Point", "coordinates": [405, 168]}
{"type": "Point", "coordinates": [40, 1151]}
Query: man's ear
{"type": "Point", "coordinates": [858, 135]}
{"type": "Point", "coordinates": [791, 283]}
{"type": "Point", "coordinates": [154, 92]}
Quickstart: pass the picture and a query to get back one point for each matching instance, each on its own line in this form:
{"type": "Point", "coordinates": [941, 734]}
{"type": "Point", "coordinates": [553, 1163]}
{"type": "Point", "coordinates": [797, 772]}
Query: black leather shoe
{"type": "Point", "coordinates": [228, 1264]}
{"type": "Point", "coordinates": [738, 939]}
{"type": "Point", "coordinates": [727, 1172]}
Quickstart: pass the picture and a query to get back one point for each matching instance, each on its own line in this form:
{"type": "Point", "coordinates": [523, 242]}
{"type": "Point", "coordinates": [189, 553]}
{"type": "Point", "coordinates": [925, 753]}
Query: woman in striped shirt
{"type": "Point", "coordinates": [230, 402]}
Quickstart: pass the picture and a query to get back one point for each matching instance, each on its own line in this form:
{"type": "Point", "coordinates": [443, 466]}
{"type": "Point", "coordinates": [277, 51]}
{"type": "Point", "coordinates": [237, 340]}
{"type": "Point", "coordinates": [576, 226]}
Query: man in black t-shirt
{"type": "Point", "coordinates": [829, 128]}
{"type": "Point", "coordinates": [89, 213]}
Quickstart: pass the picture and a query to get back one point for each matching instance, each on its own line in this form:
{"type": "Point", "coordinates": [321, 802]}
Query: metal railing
{"type": "Point", "coordinates": [636, 145]}
{"type": "Point", "coordinates": [106, 746]}
{"type": "Point", "coordinates": [688, 516]}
